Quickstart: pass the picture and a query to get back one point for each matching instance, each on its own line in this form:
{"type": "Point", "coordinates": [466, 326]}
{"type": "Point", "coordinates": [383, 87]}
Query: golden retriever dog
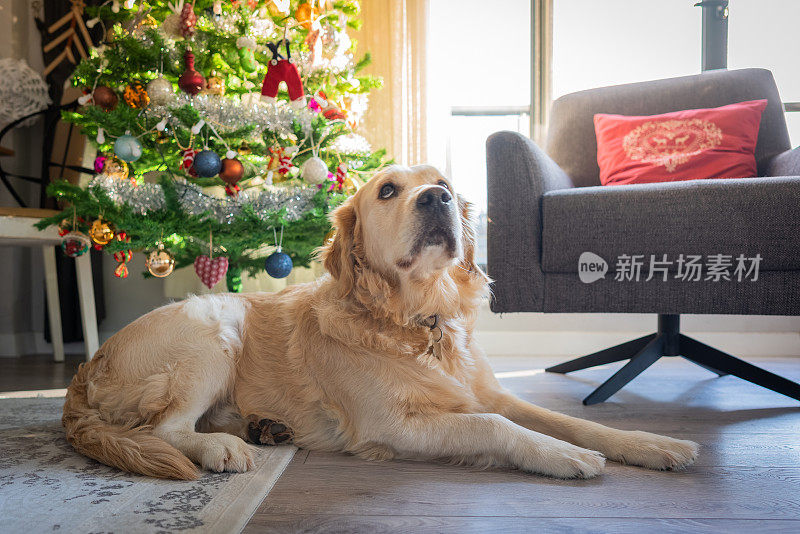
{"type": "Point", "coordinates": [376, 358]}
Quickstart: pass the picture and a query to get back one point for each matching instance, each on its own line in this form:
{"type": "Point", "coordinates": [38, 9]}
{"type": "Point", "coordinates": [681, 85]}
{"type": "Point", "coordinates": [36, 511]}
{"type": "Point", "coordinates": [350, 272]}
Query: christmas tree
{"type": "Point", "coordinates": [221, 128]}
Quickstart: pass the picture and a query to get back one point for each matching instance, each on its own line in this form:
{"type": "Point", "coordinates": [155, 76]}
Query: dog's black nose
{"type": "Point", "coordinates": [434, 198]}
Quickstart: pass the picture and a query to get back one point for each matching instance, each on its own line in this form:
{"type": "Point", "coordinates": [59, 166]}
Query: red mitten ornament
{"type": "Point", "coordinates": [210, 271]}
{"type": "Point", "coordinates": [282, 69]}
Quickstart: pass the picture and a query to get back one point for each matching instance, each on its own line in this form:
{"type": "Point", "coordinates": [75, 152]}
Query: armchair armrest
{"type": "Point", "coordinates": [785, 164]}
{"type": "Point", "coordinates": [518, 174]}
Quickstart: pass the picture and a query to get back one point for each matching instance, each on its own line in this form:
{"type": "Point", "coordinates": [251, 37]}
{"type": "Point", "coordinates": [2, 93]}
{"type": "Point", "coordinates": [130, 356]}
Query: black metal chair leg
{"type": "Point", "coordinates": [641, 361]}
{"type": "Point", "coordinates": [610, 355]}
{"type": "Point", "coordinates": [716, 359]}
{"type": "Point", "coordinates": [707, 367]}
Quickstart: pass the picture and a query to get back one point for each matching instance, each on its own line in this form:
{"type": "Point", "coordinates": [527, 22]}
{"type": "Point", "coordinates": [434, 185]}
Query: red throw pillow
{"type": "Point", "coordinates": [683, 145]}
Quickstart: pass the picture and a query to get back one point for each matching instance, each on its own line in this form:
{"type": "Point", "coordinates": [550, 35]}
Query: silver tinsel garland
{"type": "Point", "coordinates": [146, 198]}
{"type": "Point", "coordinates": [228, 114]}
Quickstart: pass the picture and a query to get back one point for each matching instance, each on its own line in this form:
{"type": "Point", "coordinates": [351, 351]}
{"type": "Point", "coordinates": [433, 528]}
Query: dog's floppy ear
{"type": "Point", "coordinates": [467, 232]}
{"type": "Point", "coordinates": [338, 255]}
{"type": "Point", "coordinates": [468, 238]}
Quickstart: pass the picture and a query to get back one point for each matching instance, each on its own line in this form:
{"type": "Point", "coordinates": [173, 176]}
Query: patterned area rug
{"type": "Point", "coordinates": [45, 486]}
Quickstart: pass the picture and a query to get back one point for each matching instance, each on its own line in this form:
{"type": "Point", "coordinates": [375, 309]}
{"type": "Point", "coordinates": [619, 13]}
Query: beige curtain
{"type": "Point", "coordinates": [394, 32]}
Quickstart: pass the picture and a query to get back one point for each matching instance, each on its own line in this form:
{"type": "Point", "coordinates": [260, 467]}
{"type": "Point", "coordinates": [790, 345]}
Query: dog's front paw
{"type": "Point", "coordinates": [654, 451]}
{"type": "Point", "coordinates": [564, 460]}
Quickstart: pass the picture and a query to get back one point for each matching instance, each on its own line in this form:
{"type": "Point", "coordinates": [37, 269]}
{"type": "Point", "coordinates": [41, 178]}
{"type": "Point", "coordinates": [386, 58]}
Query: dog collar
{"type": "Point", "coordinates": [432, 324]}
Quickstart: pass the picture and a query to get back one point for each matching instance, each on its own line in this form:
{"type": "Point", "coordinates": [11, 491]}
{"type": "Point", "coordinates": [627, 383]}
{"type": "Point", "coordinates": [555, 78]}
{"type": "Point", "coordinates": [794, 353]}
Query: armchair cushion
{"type": "Point", "coordinates": [703, 217]}
{"type": "Point", "coordinates": [682, 145]}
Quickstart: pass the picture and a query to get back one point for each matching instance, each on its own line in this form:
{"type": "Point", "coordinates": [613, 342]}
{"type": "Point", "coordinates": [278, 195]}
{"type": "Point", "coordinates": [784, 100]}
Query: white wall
{"type": "Point", "coordinates": [577, 334]}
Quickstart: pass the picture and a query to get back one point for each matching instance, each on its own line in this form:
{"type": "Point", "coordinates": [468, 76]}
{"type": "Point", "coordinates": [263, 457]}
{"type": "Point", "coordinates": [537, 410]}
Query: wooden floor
{"type": "Point", "coordinates": [747, 478]}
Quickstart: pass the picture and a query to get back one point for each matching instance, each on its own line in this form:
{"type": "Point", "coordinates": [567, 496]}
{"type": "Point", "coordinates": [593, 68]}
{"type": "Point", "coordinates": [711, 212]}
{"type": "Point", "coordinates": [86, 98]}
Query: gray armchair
{"type": "Point", "coordinates": [548, 208]}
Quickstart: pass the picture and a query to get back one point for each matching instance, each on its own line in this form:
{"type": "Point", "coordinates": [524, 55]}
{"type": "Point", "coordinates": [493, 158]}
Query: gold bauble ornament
{"type": "Point", "coordinates": [115, 168]}
{"type": "Point", "coordinates": [161, 138]}
{"type": "Point", "coordinates": [160, 263]}
{"type": "Point", "coordinates": [214, 85]}
{"type": "Point", "coordinates": [135, 95]}
{"type": "Point", "coordinates": [101, 232]}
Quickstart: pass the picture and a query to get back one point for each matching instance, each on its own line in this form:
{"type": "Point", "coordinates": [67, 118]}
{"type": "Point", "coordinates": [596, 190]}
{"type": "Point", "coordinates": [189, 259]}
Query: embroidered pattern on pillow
{"type": "Point", "coordinates": [671, 142]}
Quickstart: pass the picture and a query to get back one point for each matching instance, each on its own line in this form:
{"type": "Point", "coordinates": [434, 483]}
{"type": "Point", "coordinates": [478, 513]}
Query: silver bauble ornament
{"type": "Point", "coordinates": [160, 91]}
{"type": "Point", "coordinates": [314, 170]}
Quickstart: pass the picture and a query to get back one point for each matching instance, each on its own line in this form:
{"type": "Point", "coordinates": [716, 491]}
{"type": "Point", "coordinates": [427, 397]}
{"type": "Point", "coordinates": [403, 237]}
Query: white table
{"type": "Point", "coordinates": [17, 228]}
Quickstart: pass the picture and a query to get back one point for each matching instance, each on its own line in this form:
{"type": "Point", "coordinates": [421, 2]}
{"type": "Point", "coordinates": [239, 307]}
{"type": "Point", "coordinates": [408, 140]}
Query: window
{"type": "Point", "coordinates": [761, 33]}
{"type": "Point", "coordinates": [479, 65]}
{"type": "Point", "coordinates": [609, 42]}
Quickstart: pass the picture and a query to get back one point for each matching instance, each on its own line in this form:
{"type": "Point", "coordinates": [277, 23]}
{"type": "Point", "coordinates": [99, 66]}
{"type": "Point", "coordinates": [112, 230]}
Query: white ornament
{"type": "Point", "coordinates": [314, 170]}
{"type": "Point", "coordinates": [197, 127]}
{"type": "Point", "coordinates": [230, 154]}
{"type": "Point", "coordinates": [162, 125]}
{"type": "Point", "coordinates": [160, 91]}
{"type": "Point", "coordinates": [22, 92]}
{"type": "Point", "coordinates": [101, 138]}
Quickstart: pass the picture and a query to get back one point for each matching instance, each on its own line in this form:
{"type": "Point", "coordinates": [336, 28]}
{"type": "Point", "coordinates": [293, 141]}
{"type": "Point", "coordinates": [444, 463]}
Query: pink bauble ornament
{"type": "Point", "coordinates": [210, 271]}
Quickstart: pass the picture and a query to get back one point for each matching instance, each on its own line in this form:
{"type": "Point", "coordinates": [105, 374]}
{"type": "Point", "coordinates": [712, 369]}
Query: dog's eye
{"type": "Point", "coordinates": [387, 191]}
{"type": "Point", "coordinates": [444, 184]}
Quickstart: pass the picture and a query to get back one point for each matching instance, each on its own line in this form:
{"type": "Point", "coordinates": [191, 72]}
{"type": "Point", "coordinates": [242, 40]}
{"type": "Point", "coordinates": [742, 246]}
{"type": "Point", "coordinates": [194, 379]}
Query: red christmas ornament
{"type": "Point", "coordinates": [190, 81]}
{"type": "Point", "coordinates": [188, 20]}
{"type": "Point", "coordinates": [232, 171]}
{"type": "Point", "coordinates": [333, 114]}
{"type": "Point", "coordinates": [341, 176]}
{"type": "Point", "coordinates": [123, 257]}
{"type": "Point", "coordinates": [187, 163]}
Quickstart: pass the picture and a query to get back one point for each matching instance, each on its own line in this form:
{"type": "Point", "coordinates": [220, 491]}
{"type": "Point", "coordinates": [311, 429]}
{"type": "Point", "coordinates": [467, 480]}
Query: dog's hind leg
{"type": "Point", "coordinates": [202, 378]}
{"type": "Point", "coordinates": [216, 451]}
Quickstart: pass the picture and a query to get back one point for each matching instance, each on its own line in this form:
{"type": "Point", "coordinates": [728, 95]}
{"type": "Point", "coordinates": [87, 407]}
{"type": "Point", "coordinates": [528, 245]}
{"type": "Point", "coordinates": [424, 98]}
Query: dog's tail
{"type": "Point", "coordinates": [135, 449]}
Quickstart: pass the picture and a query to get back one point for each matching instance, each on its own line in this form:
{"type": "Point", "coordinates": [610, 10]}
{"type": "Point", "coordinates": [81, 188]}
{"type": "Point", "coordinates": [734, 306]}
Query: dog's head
{"type": "Point", "coordinates": [408, 231]}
